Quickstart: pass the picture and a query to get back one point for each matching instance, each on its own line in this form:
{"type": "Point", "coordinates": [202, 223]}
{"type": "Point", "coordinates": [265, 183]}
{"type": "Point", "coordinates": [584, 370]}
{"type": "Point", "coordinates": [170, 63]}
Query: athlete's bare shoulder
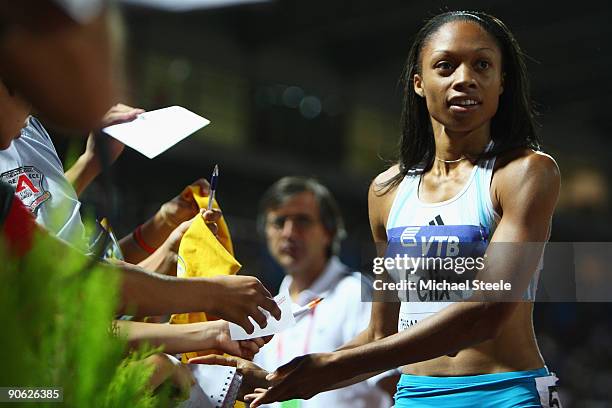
{"type": "Point", "coordinates": [525, 169]}
{"type": "Point", "coordinates": [384, 177]}
{"type": "Point", "coordinates": [380, 199]}
{"type": "Point", "coordinates": [382, 189]}
{"type": "Point", "coordinates": [525, 159]}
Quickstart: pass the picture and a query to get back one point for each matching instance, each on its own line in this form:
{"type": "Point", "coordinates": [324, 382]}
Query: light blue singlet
{"type": "Point", "coordinates": [467, 218]}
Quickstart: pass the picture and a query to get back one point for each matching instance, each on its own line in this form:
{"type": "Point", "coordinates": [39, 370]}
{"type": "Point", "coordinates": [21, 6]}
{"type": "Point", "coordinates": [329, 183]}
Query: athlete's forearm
{"type": "Point", "coordinates": [351, 381]}
{"type": "Point", "coordinates": [456, 327]}
{"type": "Point", "coordinates": [367, 336]}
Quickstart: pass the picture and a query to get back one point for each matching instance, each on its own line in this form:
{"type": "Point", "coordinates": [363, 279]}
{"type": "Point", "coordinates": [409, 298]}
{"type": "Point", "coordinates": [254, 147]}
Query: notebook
{"type": "Point", "coordinates": [216, 387]}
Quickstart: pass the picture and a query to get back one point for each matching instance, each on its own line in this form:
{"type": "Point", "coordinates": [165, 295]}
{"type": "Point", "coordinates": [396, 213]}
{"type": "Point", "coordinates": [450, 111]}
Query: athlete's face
{"type": "Point", "coordinates": [295, 234]}
{"type": "Point", "coordinates": [461, 76]}
{"type": "Point", "coordinates": [13, 113]}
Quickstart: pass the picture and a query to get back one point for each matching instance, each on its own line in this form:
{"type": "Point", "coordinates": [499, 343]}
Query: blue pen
{"type": "Point", "coordinates": [213, 187]}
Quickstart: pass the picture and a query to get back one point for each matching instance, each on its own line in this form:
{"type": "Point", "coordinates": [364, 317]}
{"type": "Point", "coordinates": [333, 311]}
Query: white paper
{"type": "Point", "coordinates": [283, 300]}
{"type": "Point", "coordinates": [154, 132]}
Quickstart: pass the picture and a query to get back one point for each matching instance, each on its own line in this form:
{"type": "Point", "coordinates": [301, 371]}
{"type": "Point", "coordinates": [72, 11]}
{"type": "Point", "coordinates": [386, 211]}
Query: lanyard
{"type": "Point", "coordinates": [279, 343]}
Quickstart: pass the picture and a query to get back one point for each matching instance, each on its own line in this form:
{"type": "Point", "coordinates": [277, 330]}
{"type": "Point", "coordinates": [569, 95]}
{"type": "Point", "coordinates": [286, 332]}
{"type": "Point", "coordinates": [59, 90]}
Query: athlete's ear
{"type": "Point", "coordinates": [417, 82]}
{"type": "Point", "coordinates": [501, 86]}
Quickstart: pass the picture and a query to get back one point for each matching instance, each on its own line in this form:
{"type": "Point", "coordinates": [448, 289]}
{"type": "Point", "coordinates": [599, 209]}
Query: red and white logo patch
{"type": "Point", "coordinates": [28, 184]}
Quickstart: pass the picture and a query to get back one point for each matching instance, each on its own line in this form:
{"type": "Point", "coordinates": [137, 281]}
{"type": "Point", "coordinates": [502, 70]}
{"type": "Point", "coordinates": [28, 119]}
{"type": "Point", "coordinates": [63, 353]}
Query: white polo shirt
{"type": "Point", "coordinates": [335, 321]}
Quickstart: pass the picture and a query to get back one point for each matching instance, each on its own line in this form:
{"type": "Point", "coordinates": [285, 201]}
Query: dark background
{"type": "Point", "coordinates": [310, 88]}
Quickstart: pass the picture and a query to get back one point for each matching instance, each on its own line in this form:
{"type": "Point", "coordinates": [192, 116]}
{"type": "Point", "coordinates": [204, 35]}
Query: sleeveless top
{"type": "Point", "coordinates": [459, 227]}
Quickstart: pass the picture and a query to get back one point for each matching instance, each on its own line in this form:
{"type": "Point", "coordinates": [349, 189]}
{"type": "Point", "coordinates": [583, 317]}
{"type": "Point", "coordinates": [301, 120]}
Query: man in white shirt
{"type": "Point", "coordinates": [303, 228]}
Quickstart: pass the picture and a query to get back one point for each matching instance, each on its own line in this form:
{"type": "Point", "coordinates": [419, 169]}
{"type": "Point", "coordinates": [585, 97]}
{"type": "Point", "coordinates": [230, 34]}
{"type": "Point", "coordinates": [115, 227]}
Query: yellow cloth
{"type": "Point", "coordinates": [202, 255]}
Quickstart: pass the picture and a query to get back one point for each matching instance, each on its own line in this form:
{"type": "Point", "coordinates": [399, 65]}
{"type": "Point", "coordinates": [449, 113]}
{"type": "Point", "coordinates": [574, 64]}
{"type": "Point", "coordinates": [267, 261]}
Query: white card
{"type": "Point", "coordinates": [274, 326]}
{"type": "Point", "coordinates": [154, 132]}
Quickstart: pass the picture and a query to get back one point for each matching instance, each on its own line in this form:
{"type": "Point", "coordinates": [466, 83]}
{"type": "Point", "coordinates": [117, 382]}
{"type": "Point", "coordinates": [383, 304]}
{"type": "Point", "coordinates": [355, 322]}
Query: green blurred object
{"type": "Point", "coordinates": [57, 332]}
{"type": "Point", "coordinates": [291, 404]}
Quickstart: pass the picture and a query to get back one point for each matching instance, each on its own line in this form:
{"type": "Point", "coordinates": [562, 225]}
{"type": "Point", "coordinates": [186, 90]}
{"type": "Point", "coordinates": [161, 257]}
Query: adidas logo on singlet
{"type": "Point", "coordinates": [437, 221]}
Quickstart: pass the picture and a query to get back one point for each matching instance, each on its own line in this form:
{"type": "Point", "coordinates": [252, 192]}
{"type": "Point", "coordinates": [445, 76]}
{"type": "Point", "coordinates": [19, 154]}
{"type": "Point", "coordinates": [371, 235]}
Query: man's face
{"type": "Point", "coordinates": [13, 113]}
{"type": "Point", "coordinates": [295, 234]}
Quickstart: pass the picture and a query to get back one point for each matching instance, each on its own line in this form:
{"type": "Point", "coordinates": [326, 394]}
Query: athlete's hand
{"type": "Point", "coordinates": [301, 378]}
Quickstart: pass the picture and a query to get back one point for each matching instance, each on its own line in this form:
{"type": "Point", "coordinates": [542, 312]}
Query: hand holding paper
{"type": "Point", "coordinates": [274, 326]}
{"type": "Point", "coordinates": [154, 132]}
{"type": "Point", "coordinates": [288, 318]}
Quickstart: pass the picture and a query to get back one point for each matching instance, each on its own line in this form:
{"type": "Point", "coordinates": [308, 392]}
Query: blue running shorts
{"type": "Point", "coordinates": [517, 389]}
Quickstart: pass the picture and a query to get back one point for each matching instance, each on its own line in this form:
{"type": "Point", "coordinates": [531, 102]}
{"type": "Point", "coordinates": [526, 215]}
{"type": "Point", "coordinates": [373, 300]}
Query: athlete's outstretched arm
{"type": "Point", "coordinates": [527, 193]}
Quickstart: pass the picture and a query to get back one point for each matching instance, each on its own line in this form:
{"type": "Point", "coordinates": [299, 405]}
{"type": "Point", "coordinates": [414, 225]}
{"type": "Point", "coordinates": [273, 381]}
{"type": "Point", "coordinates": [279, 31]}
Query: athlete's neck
{"type": "Point", "coordinates": [452, 147]}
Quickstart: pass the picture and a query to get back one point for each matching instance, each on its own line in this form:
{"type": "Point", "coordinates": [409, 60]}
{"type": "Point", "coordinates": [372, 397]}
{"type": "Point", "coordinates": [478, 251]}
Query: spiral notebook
{"type": "Point", "coordinates": [216, 387]}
